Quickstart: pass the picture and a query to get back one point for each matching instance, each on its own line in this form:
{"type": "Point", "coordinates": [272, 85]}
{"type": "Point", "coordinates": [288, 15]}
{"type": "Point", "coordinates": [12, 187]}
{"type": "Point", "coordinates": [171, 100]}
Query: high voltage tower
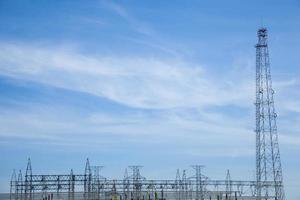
{"type": "Point", "coordinates": [268, 163]}
{"type": "Point", "coordinates": [91, 185]}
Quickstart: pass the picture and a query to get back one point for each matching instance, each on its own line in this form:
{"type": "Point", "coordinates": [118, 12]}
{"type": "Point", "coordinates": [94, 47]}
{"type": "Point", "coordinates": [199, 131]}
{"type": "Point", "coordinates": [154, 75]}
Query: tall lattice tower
{"type": "Point", "coordinates": [268, 164]}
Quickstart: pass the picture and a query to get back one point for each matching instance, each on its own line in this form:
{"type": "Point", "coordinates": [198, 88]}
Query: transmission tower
{"type": "Point", "coordinates": [184, 185]}
{"type": "Point", "coordinates": [178, 185]}
{"type": "Point", "coordinates": [137, 181]}
{"type": "Point", "coordinates": [71, 186]}
{"type": "Point", "coordinates": [268, 164]}
{"type": "Point", "coordinates": [126, 183]}
{"type": "Point", "coordinates": [228, 185]}
{"type": "Point", "coordinates": [87, 180]}
{"type": "Point", "coordinates": [199, 182]}
{"type": "Point", "coordinates": [28, 181]}
{"type": "Point", "coordinates": [20, 186]}
{"type": "Point", "coordinates": [13, 183]}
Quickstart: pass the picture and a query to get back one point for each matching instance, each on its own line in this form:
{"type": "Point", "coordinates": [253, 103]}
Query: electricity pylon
{"type": "Point", "coordinates": [268, 164]}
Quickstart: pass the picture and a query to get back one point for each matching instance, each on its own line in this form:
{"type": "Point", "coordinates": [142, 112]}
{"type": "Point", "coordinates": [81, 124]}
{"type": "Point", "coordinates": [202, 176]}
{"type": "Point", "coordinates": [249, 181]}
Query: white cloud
{"type": "Point", "coordinates": [170, 87]}
{"type": "Point", "coordinates": [134, 23]}
{"type": "Point", "coordinates": [121, 131]}
{"type": "Point", "coordinates": [137, 82]}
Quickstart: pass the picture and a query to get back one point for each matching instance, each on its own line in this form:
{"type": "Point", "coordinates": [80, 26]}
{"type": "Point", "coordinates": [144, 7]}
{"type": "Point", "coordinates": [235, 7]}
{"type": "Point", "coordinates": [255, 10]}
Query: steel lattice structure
{"type": "Point", "coordinates": [268, 163]}
{"type": "Point", "coordinates": [92, 186]}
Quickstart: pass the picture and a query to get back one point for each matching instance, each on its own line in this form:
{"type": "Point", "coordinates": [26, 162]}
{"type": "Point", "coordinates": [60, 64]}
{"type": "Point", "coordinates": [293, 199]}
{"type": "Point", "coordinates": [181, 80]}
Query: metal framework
{"type": "Point", "coordinates": [92, 186]}
{"type": "Point", "coordinates": [268, 163]}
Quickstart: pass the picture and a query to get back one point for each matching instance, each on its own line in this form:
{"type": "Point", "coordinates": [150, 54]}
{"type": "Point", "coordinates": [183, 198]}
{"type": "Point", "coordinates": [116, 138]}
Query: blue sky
{"type": "Point", "coordinates": [163, 84]}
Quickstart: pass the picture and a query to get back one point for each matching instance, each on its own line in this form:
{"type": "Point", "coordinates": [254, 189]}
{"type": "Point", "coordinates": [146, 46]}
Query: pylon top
{"type": "Point", "coordinates": [262, 32]}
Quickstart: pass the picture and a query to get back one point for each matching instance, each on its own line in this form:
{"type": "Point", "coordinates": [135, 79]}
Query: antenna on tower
{"type": "Point", "coordinates": [268, 163]}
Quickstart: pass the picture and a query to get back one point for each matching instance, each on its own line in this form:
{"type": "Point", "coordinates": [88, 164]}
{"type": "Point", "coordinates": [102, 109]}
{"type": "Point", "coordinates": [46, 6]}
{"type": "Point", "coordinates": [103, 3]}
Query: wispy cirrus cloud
{"type": "Point", "coordinates": [147, 35]}
{"type": "Point", "coordinates": [143, 82]}
{"type": "Point", "coordinates": [186, 131]}
{"type": "Point", "coordinates": [180, 95]}
{"type": "Point", "coordinates": [133, 22]}
{"type": "Point", "coordinates": [177, 94]}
